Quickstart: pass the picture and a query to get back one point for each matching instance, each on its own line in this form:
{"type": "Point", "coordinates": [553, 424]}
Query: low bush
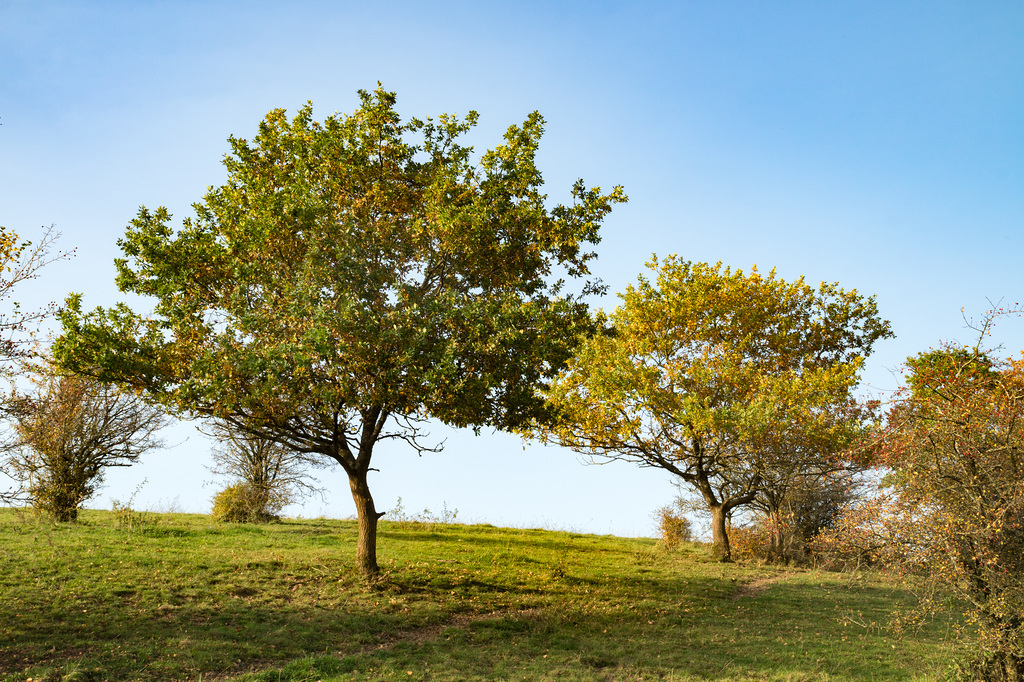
{"type": "Point", "coordinates": [241, 503]}
{"type": "Point", "coordinates": [673, 527]}
{"type": "Point", "coordinates": [751, 543]}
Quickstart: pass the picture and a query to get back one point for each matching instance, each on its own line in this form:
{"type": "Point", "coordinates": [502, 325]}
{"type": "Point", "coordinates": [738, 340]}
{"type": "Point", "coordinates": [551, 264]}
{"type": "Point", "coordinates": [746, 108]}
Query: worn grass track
{"type": "Point", "coordinates": [176, 596]}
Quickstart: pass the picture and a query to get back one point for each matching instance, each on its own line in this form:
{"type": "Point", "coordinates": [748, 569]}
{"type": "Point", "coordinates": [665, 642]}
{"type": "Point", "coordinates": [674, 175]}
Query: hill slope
{"type": "Point", "coordinates": [177, 596]}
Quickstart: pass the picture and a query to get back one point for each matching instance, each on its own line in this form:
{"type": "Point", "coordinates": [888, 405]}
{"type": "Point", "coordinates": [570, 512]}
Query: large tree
{"type": "Point", "coordinates": [723, 378]}
{"type": "Point", "coordinates": [350, 279]}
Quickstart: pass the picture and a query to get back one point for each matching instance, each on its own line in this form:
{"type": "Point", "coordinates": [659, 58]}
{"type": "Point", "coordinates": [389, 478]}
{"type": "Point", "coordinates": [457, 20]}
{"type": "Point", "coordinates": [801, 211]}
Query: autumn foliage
{"type": "Point", "coordinates": [735, 382]}
{"type": "Point", "coordinates": [68, 431]}
{"type": "Point", "coordinates": [351, 279]}
{"type": "Point", "coordinates": [952, 505]}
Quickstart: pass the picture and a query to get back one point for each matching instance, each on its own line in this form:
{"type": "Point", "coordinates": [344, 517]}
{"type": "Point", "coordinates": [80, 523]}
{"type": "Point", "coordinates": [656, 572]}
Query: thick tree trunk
{"type": "Point", "coordinates": [719, 509]}
{"type": "Point", "coordinates": [719, 536]}
{"type": "Point", "coordinates": [366, 547]}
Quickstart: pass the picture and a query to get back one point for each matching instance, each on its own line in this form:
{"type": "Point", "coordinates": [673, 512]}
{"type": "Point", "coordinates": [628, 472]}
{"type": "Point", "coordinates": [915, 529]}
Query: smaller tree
{"type": "Point", "coordinates": [20, 261]}
{"type": "Point", "coordinates": [725, 379]}
{"type": "Point", "coordinates": [264, 475]}
{"type": "Point", "coordinates": [799, 507]}
{"type": "Point", "coordinates": [68, 431]}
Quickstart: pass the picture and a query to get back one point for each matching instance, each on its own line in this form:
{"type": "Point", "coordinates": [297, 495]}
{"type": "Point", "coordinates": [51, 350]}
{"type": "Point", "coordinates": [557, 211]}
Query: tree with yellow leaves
{"type": "Point", "coordinates": [721, 377]}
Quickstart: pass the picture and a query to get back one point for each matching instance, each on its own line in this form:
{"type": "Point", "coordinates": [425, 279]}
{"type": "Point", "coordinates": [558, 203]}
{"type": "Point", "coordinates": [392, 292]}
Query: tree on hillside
{"type": "Point", "coordinates": [264, 475]}
{"type": "Point", "coordinates": [347, 283]}
{"type": "Point", "coordinates": [721, 378]}
{"type": "Point", "coordinates": [954, 445]}
{"type": "Point", "coordinates": [68, 432]}
{"type": "Point", "coordinates": [795, 506]}
{"type": "Point", "coordinates": [20, 261]}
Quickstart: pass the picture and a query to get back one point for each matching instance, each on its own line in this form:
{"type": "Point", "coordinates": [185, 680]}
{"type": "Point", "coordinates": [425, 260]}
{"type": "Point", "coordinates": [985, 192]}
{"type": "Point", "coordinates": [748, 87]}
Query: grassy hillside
{"type": "Point", "coordinates": [177, 596]}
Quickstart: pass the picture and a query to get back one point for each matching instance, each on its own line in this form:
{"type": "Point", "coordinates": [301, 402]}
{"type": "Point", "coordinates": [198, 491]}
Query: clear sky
{"type": "Point", "coordinates": [877, 144]}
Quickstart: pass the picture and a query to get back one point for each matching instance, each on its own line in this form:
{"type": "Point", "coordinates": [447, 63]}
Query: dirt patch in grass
{"type": "Point", "coordinates": [757, 587]}
{"type": "Point", "coordinates": [15, 660]}
{"type": "Point", "coordinates": [430, 633]}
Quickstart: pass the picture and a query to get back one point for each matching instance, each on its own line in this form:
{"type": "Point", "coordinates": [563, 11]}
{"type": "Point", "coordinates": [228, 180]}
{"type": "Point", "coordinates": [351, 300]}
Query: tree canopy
{"type": "Point", "coordinates": [351, 278]}
{"type": "Point", "coordinates": [721, 377]}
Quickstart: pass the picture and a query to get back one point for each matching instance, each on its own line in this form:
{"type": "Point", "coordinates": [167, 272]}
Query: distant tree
{"type": "Point", "coordinates": [721, 378]}
{"type": "Point", "coordinates": [267, 476]}
{"type": "Point", "coordinates": [794, 508]}
{"type": "Point", "coordinates": [348, 282]}
{"type": "Point", "coordinates": [68, 432]}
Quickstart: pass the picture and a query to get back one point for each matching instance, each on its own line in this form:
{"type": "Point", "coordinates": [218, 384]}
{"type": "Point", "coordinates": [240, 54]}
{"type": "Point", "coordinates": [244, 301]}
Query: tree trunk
{"type": "Point", "coordinates": [59, 499]}
{"type": "Point", "coordinates": [366, 547]}
{"type": "Point", "coordinates": [719, 537]}
{"type": "Point", "coordinates": [776, 548]}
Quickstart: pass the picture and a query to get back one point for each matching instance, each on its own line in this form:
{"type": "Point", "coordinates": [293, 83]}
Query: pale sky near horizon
{"type": "Point", "coordinates": [876, 144]}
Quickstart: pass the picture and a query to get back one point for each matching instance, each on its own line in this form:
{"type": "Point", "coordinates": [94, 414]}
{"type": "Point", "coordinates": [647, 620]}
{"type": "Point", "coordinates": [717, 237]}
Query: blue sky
{"type": "Point", "coordinates": [880, 145]}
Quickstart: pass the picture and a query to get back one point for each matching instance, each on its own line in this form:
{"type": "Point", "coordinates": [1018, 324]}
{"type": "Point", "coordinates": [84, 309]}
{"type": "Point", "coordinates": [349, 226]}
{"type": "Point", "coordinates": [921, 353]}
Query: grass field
{"type": "Point", "coordinates": [178, 596]}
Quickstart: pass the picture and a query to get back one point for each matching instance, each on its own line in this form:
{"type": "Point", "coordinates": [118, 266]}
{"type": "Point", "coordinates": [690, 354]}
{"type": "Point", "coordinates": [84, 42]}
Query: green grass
{"type": "Point", "coordinates": [178, 596]}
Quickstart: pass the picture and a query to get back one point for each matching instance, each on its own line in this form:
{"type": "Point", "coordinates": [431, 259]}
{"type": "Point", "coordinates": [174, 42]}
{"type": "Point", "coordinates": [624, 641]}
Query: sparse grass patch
{"type": "Point", "coordinates": [182, 597]}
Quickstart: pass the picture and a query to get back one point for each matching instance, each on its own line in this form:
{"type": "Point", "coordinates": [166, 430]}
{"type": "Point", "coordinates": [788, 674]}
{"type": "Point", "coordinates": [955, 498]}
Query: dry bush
{"type": "Point", "coordinates": [751, 543]}
{"type": "Point", "coordinates": [673, 527]}
{"type": "Point", "coordinates": [241, 503]}
{"type": "Point", "coordinates": [265, 475]}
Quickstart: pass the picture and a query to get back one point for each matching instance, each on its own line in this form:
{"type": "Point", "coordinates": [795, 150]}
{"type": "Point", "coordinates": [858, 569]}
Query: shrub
{"type": "Point", "coordinates": [861, 536]}
{"type": "Point", "coordinates": [242, 503]}
{"type": "Point", "coordinates": [274, 475]}
{"type": "Point", "coordinates": [125, 514]}
{"type": "Point", "coordinates": [425, 520]}
{"type": "Point", "coordinates": [67, 432]}
{"type": "Point", "coordinates": [790, 515]}
{"type": "Point", "coordinates": [753, 542]}
{"type": "Point", "coordinates": [673, 526]}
